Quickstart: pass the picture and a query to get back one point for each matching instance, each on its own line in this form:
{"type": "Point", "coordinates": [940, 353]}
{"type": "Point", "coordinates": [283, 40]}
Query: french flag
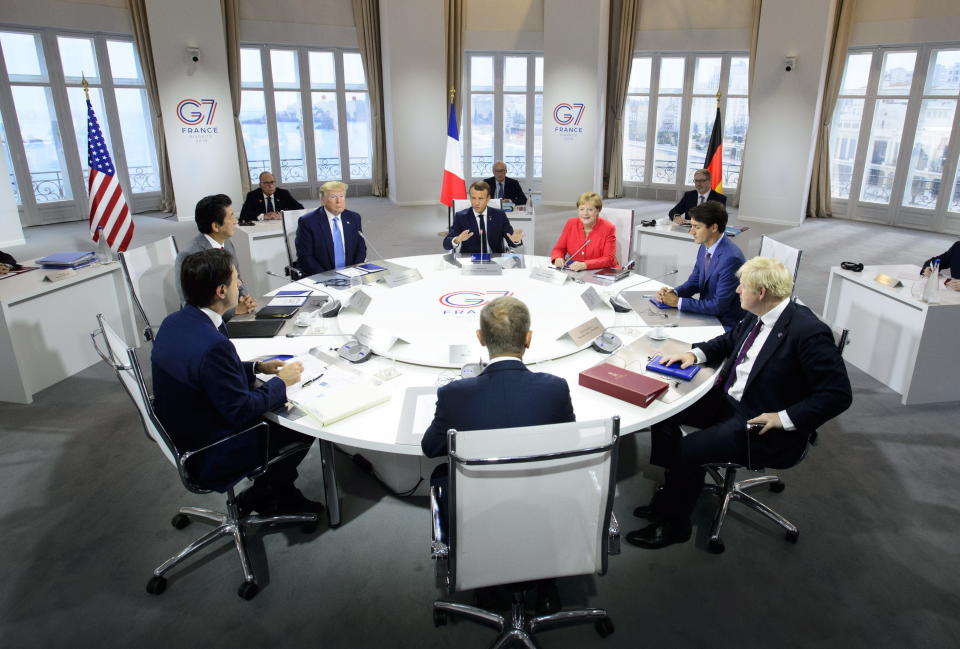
{"type": "Point", "coordinates": [453, 185]}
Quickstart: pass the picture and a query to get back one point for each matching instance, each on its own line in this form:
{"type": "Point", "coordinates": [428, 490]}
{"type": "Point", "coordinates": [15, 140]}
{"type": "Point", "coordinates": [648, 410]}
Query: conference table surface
{"type": "Point", "coordinates": [423, 331]}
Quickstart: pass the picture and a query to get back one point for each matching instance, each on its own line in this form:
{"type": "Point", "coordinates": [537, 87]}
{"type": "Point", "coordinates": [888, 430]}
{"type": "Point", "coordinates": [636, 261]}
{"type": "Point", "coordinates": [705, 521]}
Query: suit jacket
{"type": "Point", "coordinates": [255, 205]}
{"type": "Point", "coordinates": [198, 243]}
{"type": "Point", "coordinates": [511, 190]}
{"type": "Point", "coordinates": [203, 392]}
{"type": "Point", "coordinates": [715, 283]}
{"type": "Point", "coordinates": [498, 227]}
{"type": "Point", "coordinates": [505, 395]}
{"type": "Point", "coordinates": [601, 252]}
{"type": "Point", "coordinates": [798, 369]}
{"type": "Point", "coordinates": [689, 201]}
{"type": "Point", "coordinates": [315, 241]}
{"type": "Point", "coordinates": [950, 259]}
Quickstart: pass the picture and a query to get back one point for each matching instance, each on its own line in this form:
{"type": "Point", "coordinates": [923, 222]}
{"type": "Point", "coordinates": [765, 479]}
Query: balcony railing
{"type": "Point", "coordinates": [664, 171]}
{"type": "Point", "coordinates": [48, 186]}
{"type": "Point", "coordinates": [328, 168]}
{"type": "Point", "coordinates": [516, 166]}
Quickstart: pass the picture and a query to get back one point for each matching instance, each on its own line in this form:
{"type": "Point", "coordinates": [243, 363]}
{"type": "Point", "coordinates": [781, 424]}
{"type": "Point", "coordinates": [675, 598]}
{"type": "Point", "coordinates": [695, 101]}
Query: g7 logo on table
{"type": "Point", "coordinates": [470, 299]}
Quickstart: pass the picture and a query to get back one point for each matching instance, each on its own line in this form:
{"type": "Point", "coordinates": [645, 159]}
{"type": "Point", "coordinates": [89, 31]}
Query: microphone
{"type": "Point", "coordinates": [622, 306]}
{"type": "Point", "coordinates": [607, 342]}
{"type": "Point", "coordinates": [575, 253]}
{"type": "Point", "coordinates": [372, 247]}
{"type": "Point", "coordinates": [328, 309]}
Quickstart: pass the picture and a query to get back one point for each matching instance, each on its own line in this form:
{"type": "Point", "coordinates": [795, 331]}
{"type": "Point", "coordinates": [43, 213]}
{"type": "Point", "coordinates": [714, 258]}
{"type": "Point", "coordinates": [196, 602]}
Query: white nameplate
{"type": "Point", "coordinates": [375, 339]}
{"type": "Point", "coordinates": [57, 275]}
{"type": "Point", "coordinates": [359, 302]}
{"type": "Point", "coordinates": [401, 277]}
{"type": "Point", "coordinates": [547, 274]}
{"type": "Point", "coordinates": [585, 332]}
{"type": "Point", "coordinates": [592, 299]}
{"type": "Point", "coordinates": [481, 269]}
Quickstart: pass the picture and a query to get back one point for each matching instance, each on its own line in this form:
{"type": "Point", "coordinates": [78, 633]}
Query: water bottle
{"type": "Point", "coordinates": [931, 289]}
{"type": "Point", "coordinates": [104, 253]}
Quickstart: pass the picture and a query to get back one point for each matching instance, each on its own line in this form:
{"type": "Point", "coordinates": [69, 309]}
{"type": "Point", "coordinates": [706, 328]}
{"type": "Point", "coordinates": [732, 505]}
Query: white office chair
{"type": "Point", "coordinates": [289, 222]}
{"type": "Point", "coordinates": [786, 255]}
{"type": "Point", "coordinates": [622, 220]}
{"type": "Point", "coordinates": [150, 272]}
{"type": "Point", "coordinates": [527, 504]}
{"type": "Point", "coordinates": [123, 359]}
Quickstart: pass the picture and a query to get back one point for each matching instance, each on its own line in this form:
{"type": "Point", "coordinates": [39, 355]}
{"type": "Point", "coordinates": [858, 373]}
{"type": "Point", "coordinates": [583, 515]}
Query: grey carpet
{"type": "Point", "coordinates": [85, 503]}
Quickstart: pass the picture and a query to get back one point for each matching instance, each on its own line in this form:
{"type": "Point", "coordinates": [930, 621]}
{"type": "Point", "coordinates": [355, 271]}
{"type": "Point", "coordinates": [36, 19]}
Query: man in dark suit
{"type": "Point", "coordinates": [781, 371]}
{"type": "Point", "coordinates": [698, 196]}
{"type": "Point", "coordinates": [714, 276]}
{"type": "Point", "coordinates": [505, 395]}
{"type": "Point", "coordinates": [267, 199]}
{"type": "Point", "coordinates": [503, 187]}
{"type": "Point", "coordinates": [204, 393]}
{"type": "Point", "coordinates": [329, 237]}
{"type": "Point", "coordinates": [217, 223]}
{"type": "Point", "coordinates": [479, 218]}
{"type": "Point", "coordinates": [950, 260]}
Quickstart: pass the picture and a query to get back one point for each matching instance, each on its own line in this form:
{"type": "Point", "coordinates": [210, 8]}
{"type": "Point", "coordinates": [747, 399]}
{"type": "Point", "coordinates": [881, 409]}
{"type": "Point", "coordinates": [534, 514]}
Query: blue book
{"type": "Point", "coordinates": [659, 305]}
{"type": "Point", "coordinates": [67, 259]}
{"type": "Point", "coordinates": [673, 370]}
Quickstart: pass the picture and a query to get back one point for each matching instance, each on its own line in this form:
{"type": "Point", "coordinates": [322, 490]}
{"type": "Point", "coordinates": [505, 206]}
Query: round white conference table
{"type": "Point", "coordinates": [423, 331]}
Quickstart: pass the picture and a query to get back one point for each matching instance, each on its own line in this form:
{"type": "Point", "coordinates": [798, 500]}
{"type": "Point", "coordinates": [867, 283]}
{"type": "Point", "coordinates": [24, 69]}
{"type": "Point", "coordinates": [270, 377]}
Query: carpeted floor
{"type": "Point", "coordinates": [85, 502]}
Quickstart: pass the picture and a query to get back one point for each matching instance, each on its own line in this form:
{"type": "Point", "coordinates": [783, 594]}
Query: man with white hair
{"type": "Point", "coordinates": [329, 237]}
{"type": "Point", "coordinates": [781, 372]}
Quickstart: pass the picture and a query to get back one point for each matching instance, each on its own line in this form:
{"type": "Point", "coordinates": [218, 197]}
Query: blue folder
{"type": "Point", "coordinates": [673, 370]}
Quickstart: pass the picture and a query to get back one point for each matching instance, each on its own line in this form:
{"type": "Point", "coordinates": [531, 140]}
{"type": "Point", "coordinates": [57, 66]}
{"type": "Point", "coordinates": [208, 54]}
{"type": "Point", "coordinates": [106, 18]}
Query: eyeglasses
{"type": "Point", "coordinates": [268, 182]}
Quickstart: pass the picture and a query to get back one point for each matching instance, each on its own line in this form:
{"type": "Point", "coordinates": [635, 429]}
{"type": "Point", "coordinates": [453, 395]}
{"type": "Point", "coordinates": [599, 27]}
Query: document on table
{"type": "Point", "coordinates": [329, 392]}
{"type": "Point", "coordinates": [288, 301]}
{"type": "Point", "coordinates": [419, 405]}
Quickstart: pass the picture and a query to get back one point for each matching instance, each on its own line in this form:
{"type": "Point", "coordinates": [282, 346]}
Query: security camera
{"type": "Point", "coordinates": [194, 54]}
{"type": "Point", "coordinates": [789, 63]}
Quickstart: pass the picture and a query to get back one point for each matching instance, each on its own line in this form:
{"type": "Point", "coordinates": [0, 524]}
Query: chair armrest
{"type": "Point", "coordinates": [438, 548]}
{"type": "Point", "coordinates": [613, 535]}
{"type": "Point", "coordinates": [258, 428]}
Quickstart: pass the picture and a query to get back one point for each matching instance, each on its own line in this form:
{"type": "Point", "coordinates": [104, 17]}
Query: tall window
{"type": "Point", "coordinates": [893, 137]}
{"type": "Point", "coordinates": [305, 114]}
{"type": "Point", "coordinates": [504, 108]}
{"type": "Point", "coordinates": [670, 110]}
{"type": "Point", "coordinates": [44, 129]}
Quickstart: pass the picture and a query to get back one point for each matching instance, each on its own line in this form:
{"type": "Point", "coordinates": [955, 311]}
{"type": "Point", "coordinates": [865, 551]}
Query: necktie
{"type": "Point", "coordinates": [339, 257]}
{"type": "Point", "coordinates": [483, 232]}
{"type": "Point", "coordinates": [270, 204]}
{"type": "Point", "coordinates": [700, 202]}
{"type": "Point", "coordinates": [223, 329]}
{"type": "Point", "coordinates": [732, 374]}
{"type": "Point", "coordinates": [499, 189]}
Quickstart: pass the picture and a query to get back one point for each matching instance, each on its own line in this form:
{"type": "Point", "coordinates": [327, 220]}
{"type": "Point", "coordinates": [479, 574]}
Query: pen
{"type": "Point", "coordinates": [306, 383]}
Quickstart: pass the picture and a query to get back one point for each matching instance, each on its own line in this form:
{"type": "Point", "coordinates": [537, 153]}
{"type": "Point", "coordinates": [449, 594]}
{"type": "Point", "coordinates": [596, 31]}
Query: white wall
{"type": "Point", "coordinates": [415, 113]}
{"type": "Point", "coordinates": [503, 25]}
{"type": "Point", "coordinates": [784, 110]}
{"type": "Point", "coordinates": [200, 164]}
{"type": "Point", "coordinates": [574, 72]}
{"type": "Point", "coordinates": [11, 234]}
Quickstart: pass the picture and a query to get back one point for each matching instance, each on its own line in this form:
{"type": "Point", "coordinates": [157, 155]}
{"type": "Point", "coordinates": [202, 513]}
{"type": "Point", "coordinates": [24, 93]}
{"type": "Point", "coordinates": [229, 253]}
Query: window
{"type": "Point", "coordinates": [44, 133]}
{"type": "Point", "coordinates": [305, 114]}
{"type": "Point", "coordinates": [890, 142]}
{"type": "Point", "coordinates": [670, 110]}
{"type": "Point", "coordinates": [504, 92]}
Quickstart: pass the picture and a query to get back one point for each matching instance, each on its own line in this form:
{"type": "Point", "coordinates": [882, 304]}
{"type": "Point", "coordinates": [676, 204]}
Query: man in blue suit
{"type": "Point", "coordinates": [469, 223]}
{"type": "Point", "coordinates": [714, 276]}
{"type": "Point", "coordinates": [203, 392]}
{"type": "Point", "coordinates": [781, 372]}
{"type": "Point", "coordinates": [329, 237]}
{"type": "Point", "coordinates": [505, 395]}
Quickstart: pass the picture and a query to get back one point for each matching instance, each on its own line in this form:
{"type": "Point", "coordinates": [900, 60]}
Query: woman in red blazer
{"type": "Point", "coordinates": [601, 252]}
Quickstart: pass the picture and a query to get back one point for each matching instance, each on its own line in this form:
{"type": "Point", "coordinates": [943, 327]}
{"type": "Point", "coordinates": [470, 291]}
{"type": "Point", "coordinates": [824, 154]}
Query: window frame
{"type": "Point", "coordinates": [938, 217]}
{"type": "Point", "coordinates": [531, 161]}
{"type": "Point", "coordinates": [33, 212]}
{"type": "Point", "coordinates": [350, 168]}
{"type": "Point", "coordinates": [647, 185]}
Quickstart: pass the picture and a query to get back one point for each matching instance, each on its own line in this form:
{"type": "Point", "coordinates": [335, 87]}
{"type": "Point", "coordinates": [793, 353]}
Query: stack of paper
{"type": "Point", "coordinates": [61, 260]}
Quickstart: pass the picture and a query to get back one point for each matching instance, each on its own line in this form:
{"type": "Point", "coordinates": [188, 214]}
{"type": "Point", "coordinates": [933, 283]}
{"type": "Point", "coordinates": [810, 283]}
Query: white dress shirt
{"type": "Point", "coordinates": [215, 317]}
{"type": "Point", "coordinates": [769, 319]}
{"type": "Point", "coordinates": [213, 242]}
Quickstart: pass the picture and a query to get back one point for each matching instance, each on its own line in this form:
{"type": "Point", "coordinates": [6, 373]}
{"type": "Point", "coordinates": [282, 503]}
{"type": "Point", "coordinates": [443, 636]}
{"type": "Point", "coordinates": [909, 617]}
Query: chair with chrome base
{"type": "Point", "coordinates": [150, 272]}
{"type": "Point", "coordinates": [729, 489]}
{"type": "Point", "coordinates": [526, 504]}
{"type": "Point", "coordinates": [254, 441]}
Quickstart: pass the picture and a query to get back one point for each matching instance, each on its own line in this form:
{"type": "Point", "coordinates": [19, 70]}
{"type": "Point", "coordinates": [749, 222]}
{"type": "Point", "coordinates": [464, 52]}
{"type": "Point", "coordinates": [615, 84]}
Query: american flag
{"type": "Point", "coordinates": [108, 209]}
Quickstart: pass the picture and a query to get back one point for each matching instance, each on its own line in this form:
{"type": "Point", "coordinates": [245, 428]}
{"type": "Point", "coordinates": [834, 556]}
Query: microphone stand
{"type": "Point", "coordinates": [623, 307]}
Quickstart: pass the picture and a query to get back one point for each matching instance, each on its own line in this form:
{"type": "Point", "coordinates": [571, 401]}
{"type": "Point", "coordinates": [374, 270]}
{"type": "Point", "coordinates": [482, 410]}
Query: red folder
{"type": "Point", "coordinates": [623, 384]}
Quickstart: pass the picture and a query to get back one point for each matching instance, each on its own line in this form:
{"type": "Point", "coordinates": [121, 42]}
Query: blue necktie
{"type": "Point", "coordinates": [339, 257]}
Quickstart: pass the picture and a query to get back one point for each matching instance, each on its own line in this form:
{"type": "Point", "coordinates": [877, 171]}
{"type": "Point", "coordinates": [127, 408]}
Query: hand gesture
{"type": "Point", "coordinates": [578, 265]}
{"type": "Point", "coordinates": [290, 373]}
{"type": "Point", "coordinates": [463, 236]}
{"type": "Point", "coordinates": [246, 304]}
{"type": "Point", "coordinates": [927, 271]}
{"type": "Point", "coordinates": [271, 367]}
{"type": "Point", "coordinates": [559, 262]}
{"type": "Point", "coordinates": [667, 296]}
{"type": "Point", "coordinates": [271, 216]}
{"type": "Point", "coordinates": [952, 284]}
{"type": "Point", "coordinates": [516, 236]}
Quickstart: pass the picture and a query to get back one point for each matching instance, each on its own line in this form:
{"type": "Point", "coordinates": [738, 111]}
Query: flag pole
{"type": "Point", "coordinates": [86, 86]}
{"type": "Point", "coordinates": [453, 92]}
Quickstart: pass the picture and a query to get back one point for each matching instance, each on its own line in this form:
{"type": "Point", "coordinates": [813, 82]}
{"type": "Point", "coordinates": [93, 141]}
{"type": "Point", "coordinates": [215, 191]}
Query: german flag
{"type": "Point", "coordinates": [714, 161]}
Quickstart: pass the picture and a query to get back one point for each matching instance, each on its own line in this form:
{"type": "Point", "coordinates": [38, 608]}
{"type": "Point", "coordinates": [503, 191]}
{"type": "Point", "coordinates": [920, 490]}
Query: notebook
{"type": "Point", "coordinates": [673, 370]}
{"type": "Point", "coordinates": [253, 328]}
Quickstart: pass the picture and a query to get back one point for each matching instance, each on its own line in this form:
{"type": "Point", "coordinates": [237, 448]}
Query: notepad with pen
{"type": "Point", "coordinates": [271, 312]}
{"type": "Point", "coordinates": [674, 370]}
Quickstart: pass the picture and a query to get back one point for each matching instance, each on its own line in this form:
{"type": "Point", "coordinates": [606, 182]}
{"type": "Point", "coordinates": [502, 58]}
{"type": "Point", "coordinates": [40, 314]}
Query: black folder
{"type": "Point", "coordinates": [253, 328]}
